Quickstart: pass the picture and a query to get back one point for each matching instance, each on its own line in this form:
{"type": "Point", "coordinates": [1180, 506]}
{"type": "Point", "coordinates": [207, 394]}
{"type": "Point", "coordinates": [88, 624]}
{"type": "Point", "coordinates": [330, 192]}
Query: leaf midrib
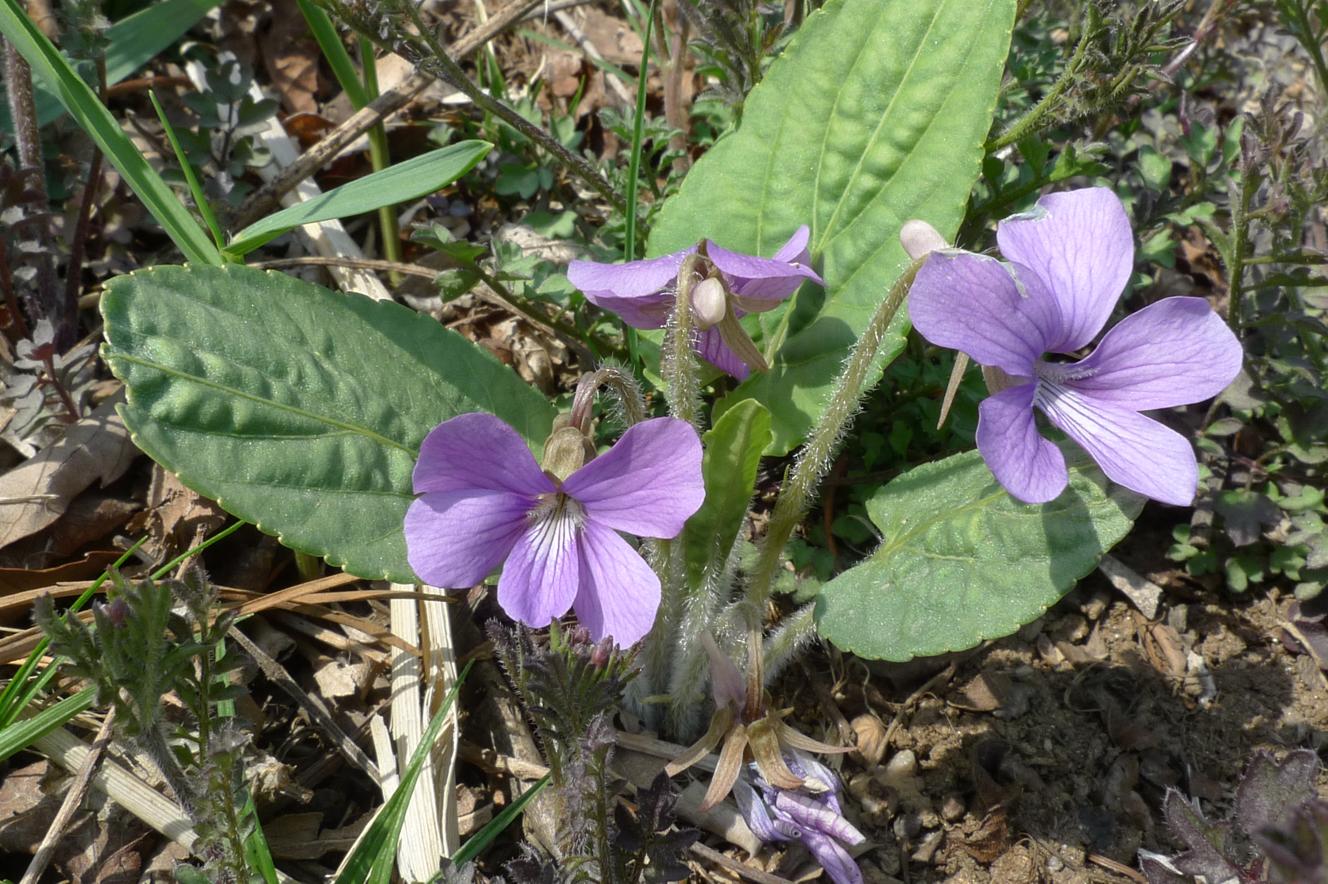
{"type": "Point", "coordinates": [241, 394]}
{"type": "Point", "coordinates": [890, 547]}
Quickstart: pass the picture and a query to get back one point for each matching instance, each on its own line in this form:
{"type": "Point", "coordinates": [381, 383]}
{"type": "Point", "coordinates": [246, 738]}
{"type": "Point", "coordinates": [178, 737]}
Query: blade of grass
{"type": "Point", "coordinates": [372, 860]}
{"type": "Point", "coordinates": [495, 826]}
{"type": "Point", "coordinates": [413, 178]}
{"type": "Point", "coordinates": [20, 735]}
{"type": "Point", "coordinates": [634, 168]}
{"type": "Point", "coordinates": [200, 198]}
{"type": "Point", "coordinates": [83, 104]}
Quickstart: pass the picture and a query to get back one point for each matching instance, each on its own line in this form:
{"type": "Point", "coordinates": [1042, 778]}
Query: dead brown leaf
{"type": "Point", "coordinates": [175, 515]}
{"type": "Point", "coordinates": [291, 58]}
{"type": "Point", "coordinates": [37, 492]}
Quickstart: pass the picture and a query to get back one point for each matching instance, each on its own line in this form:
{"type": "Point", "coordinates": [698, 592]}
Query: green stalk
{"type": "Point", "coordinates": [823, 440]}
{"type": "Point", "coordinates": [1240, 230]}
{"type": "Point", "coordinates": [380, 158]}
{"type": "Point", "coordinates": [195, 188]}
{"type": "Point", "coordinates": [634, 171]}
{"type": "Point", "coordinates": [1032, 118]}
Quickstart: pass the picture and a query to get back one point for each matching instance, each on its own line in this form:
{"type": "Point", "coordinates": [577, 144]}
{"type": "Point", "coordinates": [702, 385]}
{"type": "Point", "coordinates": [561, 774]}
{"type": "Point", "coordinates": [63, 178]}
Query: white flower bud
{"type": "Point", "coordinates": [709, 303]}
{"type": "Point", "coordinates": [919, 238]}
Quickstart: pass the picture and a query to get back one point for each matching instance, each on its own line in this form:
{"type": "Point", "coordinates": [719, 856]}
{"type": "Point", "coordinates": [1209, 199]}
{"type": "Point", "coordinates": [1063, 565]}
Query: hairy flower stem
{"type": "Point", "coordinates": [1031, 120]}
{"type": "Point", "coordinates": [683, 391]}
{"type": "Point", "coordinates": [154, 744]}
{"type": "Point", "coordinates": [620, 385]}
{"type": "Point", "coordinates": [784, 642]}
{"type": "Point", "coordinates": [1242, 194]}
{"type": "Point", "coordinates": [819, 449]}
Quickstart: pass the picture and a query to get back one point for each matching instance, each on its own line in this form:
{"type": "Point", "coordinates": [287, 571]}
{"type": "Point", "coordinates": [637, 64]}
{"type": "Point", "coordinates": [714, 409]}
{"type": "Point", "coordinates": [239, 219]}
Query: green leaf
{"type": "Point", "coordinates": [372, 860]}
{"type": "Point", "coordinates": [963, 562]}
{"type": "Point", "coordinates": [47, 63]}
{"type": "Point", "coordinates": [733, 449]}
{"type": "Point", "coordinates": [404, 181]}
{"type": "Point", "coordinates": [297, 408]}
{"type": "Point", "coordinates": [874, 114]}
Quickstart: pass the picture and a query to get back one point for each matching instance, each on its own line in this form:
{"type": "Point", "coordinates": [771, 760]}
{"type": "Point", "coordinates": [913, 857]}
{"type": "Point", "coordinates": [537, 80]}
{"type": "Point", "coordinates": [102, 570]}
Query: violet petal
{"type": "Point", "coordinates": [795, 251]}
{"type": "Point", "coordinates": [455, 538]}
{"type": "Point", "coordinates": [477, 452]}
{"type": "Point", "coordinates": [1078, 242]}
{"type": "Point", "coordinates": [755, 812]}
{"type": "Point", "coordinates": [812, 814]}
{"type": "Point", "coordinates": [641, 292]}
{"type": "Point", "coordinates": [543, 571]}
{"type": "Point", "coordinates": [836, 861]}
{"type": "Point", "coordinates": [974, 303]}
{"type": "Point", "coordinates": [766, 279]}
{"type": "Point", "coordinates": [1174, 352]}
{"type": "Point", "coordinates": [1027, 465]}
{"type": "Point", "coordinates": [1133, 450]}
{"type": "Point", "coordinates": [649, 483]}
{"type": "Point", "coordinates": [619, 593]}
{"type": "Point", "coordinates": [711, 347]}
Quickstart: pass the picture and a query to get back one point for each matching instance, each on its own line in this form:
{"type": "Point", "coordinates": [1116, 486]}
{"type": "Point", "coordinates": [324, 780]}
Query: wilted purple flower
{"type": "Point", "coordinates": [810, 814]}
{"type": "Point", "coordinates": [485, 501]}
{"type": "Point", "coordinates": [1069, 260]}
{"type": "Point", "coordinates": [643, 292]}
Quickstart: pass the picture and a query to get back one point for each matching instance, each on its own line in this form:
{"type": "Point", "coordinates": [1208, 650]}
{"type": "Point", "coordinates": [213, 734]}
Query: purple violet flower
{"type": "Point", "coordinates": [1069, 260]}
{"type": "Point", "coordinates": [811, 814]}
{"type": "Point", "coordinates": [643, 292]}
{"type": "Point", "coordinates": [485, 501]}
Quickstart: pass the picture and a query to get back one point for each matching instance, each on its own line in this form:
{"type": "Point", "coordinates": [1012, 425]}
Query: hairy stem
{"type": "Point", "coordinates": [1243, 193]}
{"type": "Point", "coordinates": [1032, 118]}
{"type": "Point", "coordinates": [818, 451]}
{"type": "Point", "coordinates": [683, 391]}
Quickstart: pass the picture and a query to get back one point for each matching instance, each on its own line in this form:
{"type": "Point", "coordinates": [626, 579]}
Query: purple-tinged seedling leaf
{"type": "Point", "coordinates": [1207, 842]}
{"type": "Point", "coordinates": [1270, 792]}
{"type": "Point", "coordinates": [1299, 852]}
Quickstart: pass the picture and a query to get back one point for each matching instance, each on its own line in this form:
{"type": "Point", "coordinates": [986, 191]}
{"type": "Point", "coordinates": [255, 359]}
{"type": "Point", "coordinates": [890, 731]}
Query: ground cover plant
{"type": "Point", "coordinates": [679, 440]}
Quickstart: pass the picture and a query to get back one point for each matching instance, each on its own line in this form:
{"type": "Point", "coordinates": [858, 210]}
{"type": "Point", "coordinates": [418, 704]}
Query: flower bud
{"type": "Point", "coordinates": [709, 303]}
{"type": "Point", "coordinates": [564, 452]}
{"type": "Point", "coordinates": [919, 238]}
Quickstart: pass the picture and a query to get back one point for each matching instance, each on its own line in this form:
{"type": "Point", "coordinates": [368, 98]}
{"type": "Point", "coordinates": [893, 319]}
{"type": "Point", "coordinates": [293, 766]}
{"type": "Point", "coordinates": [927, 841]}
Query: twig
{"type": "Point", "coordinates": [78, 243]}
{"type": "Point", "coordinates": [740, 869]}
{"type": "Point", "coordinates": [266, 198]}
{"type": "Point", "coordinates": [277, 674]}
{"type": "Point", "coordinates": [27, 137]}
{"type": "Point", "coordinates": [580, 39]}
{"type": "Point", "coordinates": [73, 798]}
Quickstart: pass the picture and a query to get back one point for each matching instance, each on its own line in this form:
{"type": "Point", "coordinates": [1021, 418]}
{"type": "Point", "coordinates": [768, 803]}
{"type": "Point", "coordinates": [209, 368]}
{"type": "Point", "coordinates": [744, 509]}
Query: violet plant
{"type": "Point", "coordinates": [371, 436]}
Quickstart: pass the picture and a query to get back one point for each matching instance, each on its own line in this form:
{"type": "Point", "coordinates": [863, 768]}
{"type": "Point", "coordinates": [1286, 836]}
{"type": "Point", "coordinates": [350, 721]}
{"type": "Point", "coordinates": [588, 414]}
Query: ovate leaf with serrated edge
{"type": "Point", "coordinates": [733, 449]}
{"type": "Point", "coordinates": [962, 561]}
{"type": "Point", "coordinates": [297, 408]}
{"type": "Point", "coordinates": [874, 114]}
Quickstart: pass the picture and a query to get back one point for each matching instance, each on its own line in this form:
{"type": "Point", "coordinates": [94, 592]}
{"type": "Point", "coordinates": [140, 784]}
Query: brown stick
{"type": "Point", "coordinates": [45, 303]}
{"type": "Point", "coordinates": [73, 800]}
{"type": "Point", "coordinates": [267, 197]}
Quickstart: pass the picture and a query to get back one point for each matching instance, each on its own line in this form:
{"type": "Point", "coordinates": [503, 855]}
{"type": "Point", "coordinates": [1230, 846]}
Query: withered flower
{"type": "Point", "coordinates": [746, 729]}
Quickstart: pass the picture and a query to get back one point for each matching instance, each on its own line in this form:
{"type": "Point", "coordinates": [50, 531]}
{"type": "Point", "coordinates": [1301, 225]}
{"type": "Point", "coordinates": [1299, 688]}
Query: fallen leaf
{"type": "Point", "coordinates": [37, 492]}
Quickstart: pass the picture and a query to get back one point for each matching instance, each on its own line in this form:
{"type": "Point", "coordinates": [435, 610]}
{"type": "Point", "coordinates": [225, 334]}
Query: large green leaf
{"type": "Point", "coordinates": [395, 184]}
{"type": "Point", "coordinates": [962, 561]}
{"type": "Point", "coordinates": [733, 449]}
{"type": "Point", "coordinates": [297, 408]}
{"type": "Point", "coordinates": [875, 114]}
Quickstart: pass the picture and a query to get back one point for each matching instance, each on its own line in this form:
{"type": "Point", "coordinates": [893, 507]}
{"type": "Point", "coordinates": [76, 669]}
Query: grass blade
{"type": "Point", "coordinates": [20, 735]}
{"type": "Point", "coordinates": [484, 836]}
{"type": "Point", "coordinates": [373, 858]}
{"type": "Point", "coordinates": [405, 181]}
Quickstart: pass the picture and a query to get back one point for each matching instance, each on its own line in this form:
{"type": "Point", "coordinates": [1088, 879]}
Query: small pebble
{"type": "Point", "coordinates": [952, 808]}
{"type": "Point", "coordinates": [870, 732]}
{"type": "Point", "coordinates": [927, 849]}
